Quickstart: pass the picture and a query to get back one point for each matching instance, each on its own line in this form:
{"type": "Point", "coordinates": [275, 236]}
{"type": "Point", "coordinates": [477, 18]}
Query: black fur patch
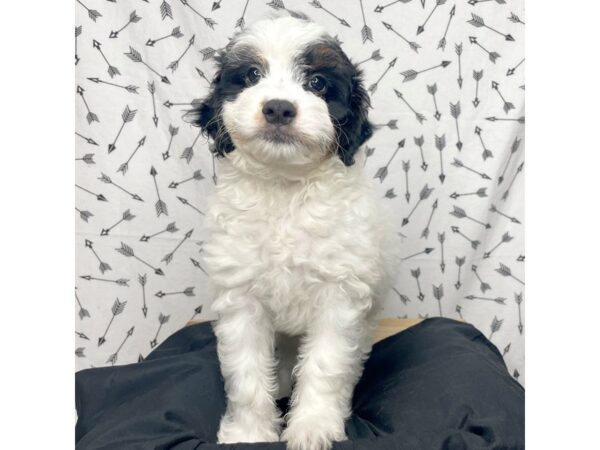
{"type": "Point", "coordinates": [228, 82]}
{"type": "Point", "coordinates": [347, 100]}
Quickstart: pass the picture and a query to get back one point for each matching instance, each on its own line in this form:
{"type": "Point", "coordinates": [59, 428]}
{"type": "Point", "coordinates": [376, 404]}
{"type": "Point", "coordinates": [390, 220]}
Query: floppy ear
{"type": "Point", "coordinates": [356, 129]}
{"type": "Point", "coordinates": [207, 116]}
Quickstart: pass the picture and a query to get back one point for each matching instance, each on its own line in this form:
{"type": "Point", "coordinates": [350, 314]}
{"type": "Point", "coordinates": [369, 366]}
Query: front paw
{"type": "Point", "coordinates": [314, 432]}
{"type": "Point", "coordinates": [247, 428]}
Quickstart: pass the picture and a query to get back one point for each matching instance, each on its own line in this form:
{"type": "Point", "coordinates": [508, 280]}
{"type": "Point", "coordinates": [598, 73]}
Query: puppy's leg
{"type": "Point", "coordinates": [245, 344]}
{"type": "Point", "coordinates": [330, 364]}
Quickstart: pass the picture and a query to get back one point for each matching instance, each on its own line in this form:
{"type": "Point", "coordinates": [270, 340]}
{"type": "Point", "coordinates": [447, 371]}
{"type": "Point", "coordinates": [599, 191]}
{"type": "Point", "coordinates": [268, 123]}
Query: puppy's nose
{"type": "Point", "coordinates": [279, 112]}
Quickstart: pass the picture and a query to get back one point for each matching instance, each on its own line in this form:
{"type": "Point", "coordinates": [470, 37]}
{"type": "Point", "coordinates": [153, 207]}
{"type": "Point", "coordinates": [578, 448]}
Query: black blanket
{"type": "Point", "coordinates": [440, 385]}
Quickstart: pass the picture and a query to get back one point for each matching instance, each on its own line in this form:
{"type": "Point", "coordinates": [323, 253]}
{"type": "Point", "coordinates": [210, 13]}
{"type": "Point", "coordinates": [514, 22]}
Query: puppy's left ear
{"type": "Point", "coordinates": [356, 129]}
{"type": "Point", "coordinates": [207, 116]}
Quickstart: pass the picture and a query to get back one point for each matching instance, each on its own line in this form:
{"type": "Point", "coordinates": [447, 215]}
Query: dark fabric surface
{"type": "Point", "coordinates": [438, 385]}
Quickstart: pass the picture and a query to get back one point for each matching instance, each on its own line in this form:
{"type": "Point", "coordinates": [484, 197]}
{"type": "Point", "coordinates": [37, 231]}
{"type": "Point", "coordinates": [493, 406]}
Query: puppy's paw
{"type": "Point", "coordinates": [312, 433]}
{"type": "Point", "coordinates": [250, 429]}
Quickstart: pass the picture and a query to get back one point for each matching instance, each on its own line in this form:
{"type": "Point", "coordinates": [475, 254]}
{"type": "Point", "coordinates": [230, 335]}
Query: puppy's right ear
{"type": "Point", "coordinates": [207, 116]}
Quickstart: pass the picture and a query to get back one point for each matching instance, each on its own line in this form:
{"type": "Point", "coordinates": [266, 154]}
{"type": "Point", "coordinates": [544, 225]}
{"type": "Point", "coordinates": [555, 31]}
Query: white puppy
{"type": "Point", "coordinates": [298, 247]}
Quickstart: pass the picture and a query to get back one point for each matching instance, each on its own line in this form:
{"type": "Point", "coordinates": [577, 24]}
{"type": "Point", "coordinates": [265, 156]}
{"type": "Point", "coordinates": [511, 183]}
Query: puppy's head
{"type": "Point", "coordinates": [285, 93]}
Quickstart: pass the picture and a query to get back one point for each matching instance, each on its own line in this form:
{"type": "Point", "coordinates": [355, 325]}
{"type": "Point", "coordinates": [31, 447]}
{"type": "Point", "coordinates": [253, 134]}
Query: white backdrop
{"type": "Point", "coordinates": [143, 175]}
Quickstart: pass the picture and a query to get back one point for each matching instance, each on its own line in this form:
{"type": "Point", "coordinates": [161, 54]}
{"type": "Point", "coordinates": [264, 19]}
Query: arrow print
{"type": "Point", "coordinates": [382, 172]}
{"type": "Point", "coordinates": [169, 256]}
{"type": "Point", "coordinates": [455, 112]}
{"type": "Point", "coordinates": [152, 90]}
{"type": "Point", "coordinates": [458, 49]}
{"type": "Point", "coordinates": [375, 56]}
{"type": "Point", "coordinates": [112, 70]}
{"type": "Point", "coordinates": [161, 320]}
{"type": "Point", "coordinates": [113, 358]}
{"type": "Point", "coordinates": [515, 19]}
{"type": "Point", "coordinates": [82, 335]}
{"type": "Point", "coordinates": [117, 308]}
{"type": "Point", "coordinates": [187, 203]}
{"type": "Point", "coordinates": [478, 22]}
{"type": "Point", "coordinates": [165, 10]}
{"type": "Point", "coordinates": [474, 2]}
{"type": "Point", "coordinates": [188, 292]}
{"type": "Point", "coordinates": [86, 139]}
{"type": "Point", "coordinates": [84, 215]}
{"type": "Point", "coordinates": [419, 142]}
{"type": "Point", "coordinates": [459, 163]}
{"type": "Point", "coordinates": [83, 313]}
{"type": "Point", "coordinates": [507, 106]}
{"type": "Point", "coordinates": [421, 28]}
{"type": "Point", "coordinates": [481, 192]}
{"type": "Point", "coordinates": [495, 326]}
{"type": "Point", "coordinates": [197, 312]}
{"type": "Point", "coordinates": [372, 88]}
{"type": "Point", "coordinates": [498, 300]}
{"type": "Point", "coordinates": [511, 71]}
{"type": "Point", "coordinates": [427, 251]}
{"type": "Point", "coordinates": [119, 282]}
{"type": "Point", "coordinates": [416, 273]}
{"type": "Point", "coordinates": [142, 280]}
{"type": "Point", "coordinates": [423, 195]}
{"type": "Point", "coordinates": [459, 262]}
{"type": "Point", "coordinates": [518, 301]}
{"type": "Point", "coordinates": [433, 90]}
{"type": "Point", "coordinates": [477, 75]}
{"type": "Point", "coordinates": [127, 251]}
{"type": "Point", "coordinates": [160, 205]}
{"type": "Point", "coordinates": [188, 152]}
{"type": "Point", "coordinates": [507, 192]}
{"type": "Point", "coordinates": [403, 298]}
{"type": "Point", "coordinates": [506, 237]}
{"type": "Point", "coordinates": [125, 166]}
{"type": "Point", "coordinates": [486, 152]}
{"type": "Point", "coordinates": [88, 158]}
{"type": "Point", "coordinates": [196, 176]}
{"type": "Point", "coordinates": [366, 33]}
{"type": "Point", "coordinates": [317, 4]}
{"type": "Point", "coordinates": [506, 272]}
{"type": "Point", "coordinates": [129, 88]}
{"type": "Point", "coordinates": [492, 55]}
{"type": "Point", "coordinates": [411, 44]}
{"type": "Point", "coordinates": [406, 168]}
{"type": "Point", "coordinates": [103, 265]}
{"type": "Point", "coordinates": [494, 119]}
{"type": "Point", "coordinates": [207, 20]}
{"type": "Point", "coordinates": [497, 211]}
{"type": "Point", "coordinates": [440, 144]}
{"type": "Point", "coordinates": [99, 197]}
{"type": "Point", "coordinates": [106, 179]}
{"type": "Point", "coordinates": [172, 133]}
{"type": "Point", "coordinates": [92, 13]}
{"type": "Point", "coordinates": [175, 64]}
{"type": "Point", "coordinates": [90, 116]}
{"type": "Point", "coordinates": [420, 117]}
{"type": "Point", "coordinates": [175, 32]}
{"type": "Point", "coordinates": [77, 34]}
{"type": "Point", "coordinates": [442, 43]}
{"type": "Point", "coordinates": [197, 264]}
{"type": "Point", "coordinates": [133, 18]}
{"type": "Point", "coordinates": [474, 243]}
{"type": "Point", "coordinates": [425, 232]}
{"type": "Point", "coordinates": [483, 285]}
{"type": "Point", "coordinates": [460, 213]}
{"type": "Point", "coordinates": [126, 216]}
{"type": "Point", "coordinates": [438, 293]}
{"type": "Point", "coordinates": [127, 116]}
{"type": "Point", "coordinates": [135, 56]}
{"type": "Point", "coordinates": [171, 228]}
{"type": "Point", "coordinates": [441, 240]}
{"type": "Point", "coordinates": [379, 9]}
{"type": "Point", "coordinates": [411, 74]}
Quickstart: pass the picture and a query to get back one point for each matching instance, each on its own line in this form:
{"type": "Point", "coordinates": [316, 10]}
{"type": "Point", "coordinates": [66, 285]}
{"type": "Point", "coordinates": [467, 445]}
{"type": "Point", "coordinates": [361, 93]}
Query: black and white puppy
{"type": "Point", "coordinates": [299, 253]}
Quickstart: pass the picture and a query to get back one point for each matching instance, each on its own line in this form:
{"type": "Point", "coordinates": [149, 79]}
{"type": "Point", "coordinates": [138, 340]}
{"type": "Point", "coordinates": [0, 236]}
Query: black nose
{"type": "Point", "coordinates": [279, 112]}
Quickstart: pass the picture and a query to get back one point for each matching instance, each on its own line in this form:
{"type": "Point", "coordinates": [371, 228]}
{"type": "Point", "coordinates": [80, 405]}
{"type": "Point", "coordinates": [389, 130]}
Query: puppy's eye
{"type": "Point", "coordinates": [317, 84]}
{"type": "Point", "coordinates": [253, 76]}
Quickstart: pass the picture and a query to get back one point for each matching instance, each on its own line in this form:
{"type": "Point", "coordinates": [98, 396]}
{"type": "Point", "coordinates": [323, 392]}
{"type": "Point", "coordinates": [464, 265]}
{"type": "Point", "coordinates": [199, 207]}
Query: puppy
{"type": "Point", "coordinates": [298, 250]}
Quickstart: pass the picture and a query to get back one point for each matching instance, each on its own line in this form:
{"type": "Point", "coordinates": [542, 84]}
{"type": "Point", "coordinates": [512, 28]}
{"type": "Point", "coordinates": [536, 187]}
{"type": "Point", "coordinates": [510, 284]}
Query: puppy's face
{"type": "Point", "coordinates": [286, 94]}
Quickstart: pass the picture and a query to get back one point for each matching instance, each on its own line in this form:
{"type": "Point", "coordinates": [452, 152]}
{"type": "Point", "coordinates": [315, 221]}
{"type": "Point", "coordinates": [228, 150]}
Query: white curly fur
{"type": "Point", "coordinates": [298, 247]}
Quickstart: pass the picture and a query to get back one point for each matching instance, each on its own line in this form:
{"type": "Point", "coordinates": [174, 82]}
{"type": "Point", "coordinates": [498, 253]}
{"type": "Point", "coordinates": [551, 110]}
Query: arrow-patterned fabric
{"type": "Point", "coordinates": [446, 80]}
